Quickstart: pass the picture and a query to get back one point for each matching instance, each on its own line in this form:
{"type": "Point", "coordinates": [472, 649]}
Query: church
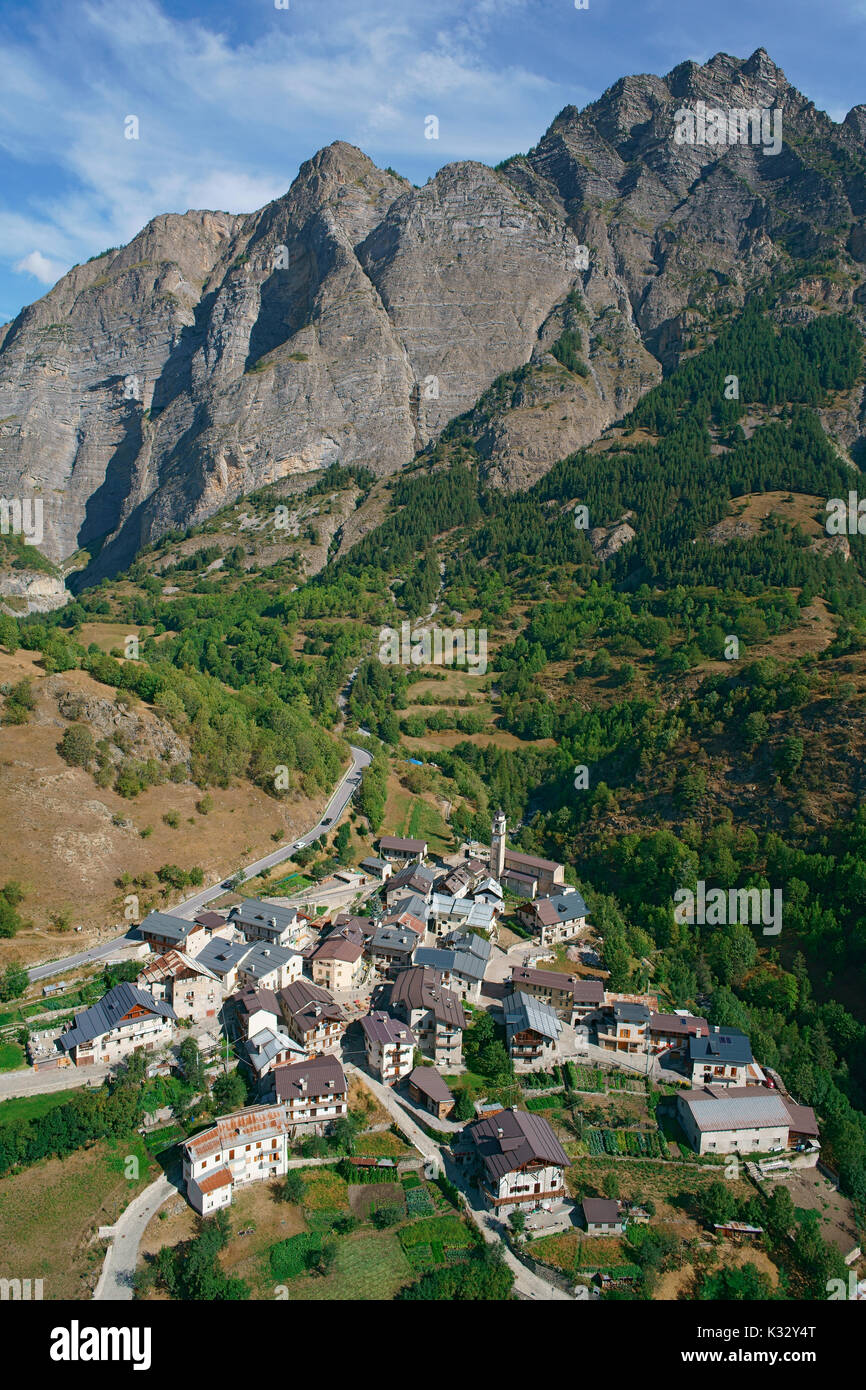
{"type": "Point", "coordinates": [524, 874]}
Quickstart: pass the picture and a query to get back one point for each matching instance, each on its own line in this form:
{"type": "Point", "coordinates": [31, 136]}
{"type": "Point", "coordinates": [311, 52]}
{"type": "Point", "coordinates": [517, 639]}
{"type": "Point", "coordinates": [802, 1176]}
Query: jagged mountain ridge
{"type": "Point", "coordinates": [400, 306]}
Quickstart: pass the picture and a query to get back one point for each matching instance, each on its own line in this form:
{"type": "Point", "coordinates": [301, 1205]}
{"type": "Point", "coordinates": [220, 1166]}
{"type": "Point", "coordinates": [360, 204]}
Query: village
{"type": "Point", "coordinates": [404, 991]}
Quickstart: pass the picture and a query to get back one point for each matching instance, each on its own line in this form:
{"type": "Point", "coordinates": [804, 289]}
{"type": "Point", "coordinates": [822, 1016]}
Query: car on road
{"type": "Point", "coordinates": [327, 820]}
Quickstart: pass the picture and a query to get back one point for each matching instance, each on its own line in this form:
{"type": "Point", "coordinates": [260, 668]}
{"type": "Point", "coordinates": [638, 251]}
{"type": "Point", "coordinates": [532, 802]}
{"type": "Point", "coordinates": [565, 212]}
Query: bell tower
{"type": "Point", "coordinates": [497, 844]}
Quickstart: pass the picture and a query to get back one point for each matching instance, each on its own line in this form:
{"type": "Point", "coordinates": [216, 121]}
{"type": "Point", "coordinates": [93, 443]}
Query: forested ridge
{"type": "Point", "coordinates": [743, 772]}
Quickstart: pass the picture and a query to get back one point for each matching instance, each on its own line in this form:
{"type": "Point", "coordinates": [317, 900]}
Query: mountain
{"type": "Point", "coordinates": [353, 318]}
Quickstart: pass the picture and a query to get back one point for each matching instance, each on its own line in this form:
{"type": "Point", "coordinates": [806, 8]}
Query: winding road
{"type": "Point", "coordinates": [340, 799]}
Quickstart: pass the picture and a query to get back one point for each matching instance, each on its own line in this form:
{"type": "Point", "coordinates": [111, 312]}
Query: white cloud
{"type": "Point", "coordinates": [225, 123]}
{"type": "Point", "coordinates": [42, 267]}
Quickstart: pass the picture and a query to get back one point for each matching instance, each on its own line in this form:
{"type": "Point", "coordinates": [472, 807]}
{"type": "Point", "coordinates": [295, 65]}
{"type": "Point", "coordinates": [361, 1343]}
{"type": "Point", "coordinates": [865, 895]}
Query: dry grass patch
{"type": "Point", "coordinates": [49, 1215]}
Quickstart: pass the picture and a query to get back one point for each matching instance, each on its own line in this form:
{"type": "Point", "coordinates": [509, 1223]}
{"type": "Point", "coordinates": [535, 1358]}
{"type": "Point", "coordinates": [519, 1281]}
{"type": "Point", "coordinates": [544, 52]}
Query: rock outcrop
{"type": "Point", "coordinates": [354, 317]}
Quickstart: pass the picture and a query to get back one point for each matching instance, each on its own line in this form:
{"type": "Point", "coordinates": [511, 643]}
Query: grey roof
{"type": "Point", "coordinates": [473, 943]}
{"type": "Point", "coordinates": [267, 1045]}
{"type": "Point", "coordinates": [763, 1110]}
{"type": "Point", "coordinates": [625, 1012]}
{"type": "Point", "coordinates": [524, 1011]}
{"type": "Point", "coordinates": [220, 956]}
{"type": "Point", "coordinates": [472, 913]}
{"type": "Point", "coordinates": [256, 912]}
{"type": "Point", "coordinates": [490, 885]}
{"type": "Point", "coordinates": [435, 956]}
{"type": "Point", "coordinates": [430, 1083]}
{"type": "Point", "coordinates": [262, 959]}
{"type": "Point", "coordinates": [722, 1045]}
{"type": "Point", "coordinates": [108, 1014]}
{"type": "Point", "coordinates": [561, 907]}
{"type": "Point", "coordinates": [371, 862]}
{"type": "Point", "coordinates": [445, 958]}
{"type": "Point", "coordinates": [382, 1028]}
{"type": "Point", "coordinates": [398, 939]}
{"type": "Point", "coordinates": [421, 988]}
{"type": "Point", "coordinates": [511, 1138]}
{"type": "Point", "coordinates": [164, 924]}
{"type": "Point", "coordinates": [600, 1210]}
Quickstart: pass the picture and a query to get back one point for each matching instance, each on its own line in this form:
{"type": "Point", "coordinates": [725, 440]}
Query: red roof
{"type": "Point", "coordinates": [221, 1177]}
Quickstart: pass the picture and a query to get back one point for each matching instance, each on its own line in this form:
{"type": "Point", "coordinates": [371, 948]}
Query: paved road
{"type": "Point", "coordinates": [191, 906]}
{"type": "Point", "coordinates": [57, 967]}
{"type": "Point", "coordinates": [426, 1146]}
{"type": "Point", "coordinates": [115, 1281]}
{"type": "Point", "coordinates": [525, 1282]}
{"type": "Point", "coordinates": [334, 809]}
{"type": "Point", "coordinates": [28, 1082]}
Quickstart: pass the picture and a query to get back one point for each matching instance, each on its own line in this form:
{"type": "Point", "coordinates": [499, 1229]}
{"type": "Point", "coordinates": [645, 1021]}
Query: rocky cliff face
{"type": "Point", "coordinates": [354, 317]}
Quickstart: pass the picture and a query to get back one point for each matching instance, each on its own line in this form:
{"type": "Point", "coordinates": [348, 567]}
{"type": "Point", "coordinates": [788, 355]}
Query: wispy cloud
{"type": "Point", "coordinates": [224, 123]}
{"type": "Point", "coordinates": [41, 267]}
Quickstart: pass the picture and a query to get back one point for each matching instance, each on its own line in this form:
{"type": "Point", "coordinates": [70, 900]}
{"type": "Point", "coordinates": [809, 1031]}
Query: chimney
{"type": "Point", "coordinates": [499, 1133]}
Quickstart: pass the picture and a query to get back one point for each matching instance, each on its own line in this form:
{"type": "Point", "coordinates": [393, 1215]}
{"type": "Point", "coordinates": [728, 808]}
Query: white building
{"type": "Point", "coordinates": [744, 1119]}
{"type": "Point", "coordinates": [519, 1160]}
{"type": "Point", "coordinates": [390, 1046]}
{"type": "Point", "coordinates": [125, 1020]}
{"type": "Point", "coordinates": [249, 1146]}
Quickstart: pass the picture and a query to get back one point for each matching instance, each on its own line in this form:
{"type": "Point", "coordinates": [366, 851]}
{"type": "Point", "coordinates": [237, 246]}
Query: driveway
{"type": "Point", "coordinates": [525, 1282]}
{"type": "Point", "coordinates": [121, 1257]}
{"type": "Point", "coordinates": [28, 1082]}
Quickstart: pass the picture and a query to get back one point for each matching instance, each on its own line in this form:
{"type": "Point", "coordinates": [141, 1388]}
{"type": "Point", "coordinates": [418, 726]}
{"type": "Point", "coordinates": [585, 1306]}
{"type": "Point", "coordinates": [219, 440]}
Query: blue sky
{"type": "Point", "coordinates": [232, 97]}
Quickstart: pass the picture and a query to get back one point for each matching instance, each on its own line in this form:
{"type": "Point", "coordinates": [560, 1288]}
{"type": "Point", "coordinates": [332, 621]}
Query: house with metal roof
{"type": "Point", "coordinates": [573, 997]}
{"type": "Point", "coordinates": [415, 878]}
{"type": "Point", "coordinates": [722, 1055]}
{"type": "Point", "coordinates": [448, 914]}
{"type": "Point", "coordinates": [263, 921]}
{"type": "Point", "coordinates": [744, 1119]}
{"type": "Point", "coordinates": [223, 958]}
{"type": "Point", "coordinates": [393, 946]}
{"type": "Point", "coordinates": [517, 1158]}
{"type": "Point", "coordinates": [125, 1020]}
{"type": "Point", "coordinates": [270, 967]}
{"type": "Point", "coordinates": [163, 932]}
{"type": "Point", "coordinates": [249, 1146]}
{"type": "Point", "coordinates": [462, 970]}
{"type": "Point", "coordinates": [270, 1048]}
{"type": "Point", "coordinates": [532, 1030]}
{"type": "Point", "coordinates": [559, 917]}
